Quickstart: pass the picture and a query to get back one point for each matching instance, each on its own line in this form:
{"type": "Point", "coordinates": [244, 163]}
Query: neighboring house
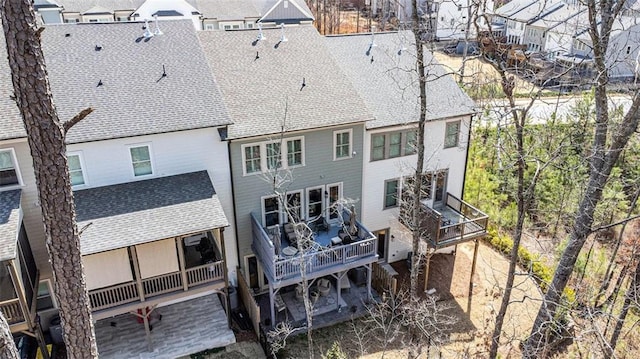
{"type": "Point", "coordinates": [205, 14]}
{"type": "Point", "coordinates": [22, 292]}
{"type": "Point", "coordinates": [151, 183]}
{"type": "Point", "coordinates": [298, 129]}
{"type": "Point", "coordinates": [384, 76]}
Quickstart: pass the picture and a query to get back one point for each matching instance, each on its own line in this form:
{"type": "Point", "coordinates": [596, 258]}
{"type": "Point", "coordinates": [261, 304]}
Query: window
{"type": "Point", "coordinates": [274, 156]}
{"type": "Point", "coordinates": [263, 156]}
{"type": "Point", "coordinates": [249, 25]}
{"type": "Point", "coordinates": [75, 169]}
{"type": "Point", "coordinates": [315, 202]}
{"type": "Point", "coordinates": [227, 27]}
{"type": "Point", "coordinates": [391, 193]}
{"type": "Point", "coordinates": [236, 27]}
{"type": "Point", "coordinates": [141, 160]}
{"type": "Point", "coordinates": [294, 152]}
{"type": "Point", "coordinates": [425, 188]}
{"type": "Point", "coordinates": [294, 206]}
{"type": "Point", "coordinates": [452, 133]}
{"type": "Point", "coordinates": [342, 144]}
{"type": "Point", "coordinates": [271, 211]}
{"type": "Point", "coordinates": [209, 27]}
{"type": "Point", "coordinates": [393, 144]}
{"type": "Point", "coordinates": [45, 299]}
{"type": "Point", "coordinates": [252, 159]}
{"type": "Point", "coordinates": [8, 169]}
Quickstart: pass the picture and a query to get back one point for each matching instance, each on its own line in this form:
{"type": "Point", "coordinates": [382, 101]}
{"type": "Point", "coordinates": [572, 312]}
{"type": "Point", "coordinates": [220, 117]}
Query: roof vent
{"type": "Point", "coordinates": [100, 83]}
{"type": "Point", "coordinates": [261, 36]}
{"type": "Point", "coordinates": [147, 33]}
{"type": "Point", "coordinates": [283, 38]}
{"type": "Point", "coordinates": [98, 47]}
{"type": "Point", "coordinates": [67, 35]}
{"type": "Point", "coordinates": [157, 31]}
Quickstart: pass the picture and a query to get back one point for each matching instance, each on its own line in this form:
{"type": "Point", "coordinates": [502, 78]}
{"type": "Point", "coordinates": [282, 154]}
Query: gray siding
{"type": "Point", "coordinates": [319, 169]}
{"type": "Point", "coordinates": [32, 219]}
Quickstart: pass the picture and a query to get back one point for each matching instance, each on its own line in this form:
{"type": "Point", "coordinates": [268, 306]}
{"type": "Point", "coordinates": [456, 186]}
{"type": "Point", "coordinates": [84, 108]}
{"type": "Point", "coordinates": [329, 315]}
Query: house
{"type": "Point", "coordinates": [151, 183]}
{"type": "Point", "coordinates": [205, 14]}
{"type": "Point", "coordinates": [22, 293]}
{"type": "Point", "coordinates": [296, 143]}
{"type": "Point", "coordinates": [382, 70]}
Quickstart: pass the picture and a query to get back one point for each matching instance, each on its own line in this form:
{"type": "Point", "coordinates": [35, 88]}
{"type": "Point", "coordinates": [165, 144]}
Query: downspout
{"type": "Point", "coordinates": [233, 196]}
{"type": "Point", "coordinates": [466, 158]}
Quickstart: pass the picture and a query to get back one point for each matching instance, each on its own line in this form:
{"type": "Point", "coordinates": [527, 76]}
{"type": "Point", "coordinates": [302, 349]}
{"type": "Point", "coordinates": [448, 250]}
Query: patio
{"type": "Point", "coordinates": [186, 327]}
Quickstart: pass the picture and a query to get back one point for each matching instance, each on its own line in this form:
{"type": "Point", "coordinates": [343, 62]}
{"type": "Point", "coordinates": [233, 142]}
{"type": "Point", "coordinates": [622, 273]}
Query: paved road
{"type": "Point", "coordinates": [544, 107]}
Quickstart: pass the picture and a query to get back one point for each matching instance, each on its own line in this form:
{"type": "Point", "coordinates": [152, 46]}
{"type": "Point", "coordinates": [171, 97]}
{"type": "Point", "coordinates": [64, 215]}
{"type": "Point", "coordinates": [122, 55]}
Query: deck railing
{"type": "Point", "coordinates": [113, 296]}
{"type": "Point", "coordinates": [120, 294]}
{"type": "Point", "coordinates": [278, 268]}
{"type": "Point", "coordinates": [441, 231]}
{"type": "Point", "coordinates": [12, 311]}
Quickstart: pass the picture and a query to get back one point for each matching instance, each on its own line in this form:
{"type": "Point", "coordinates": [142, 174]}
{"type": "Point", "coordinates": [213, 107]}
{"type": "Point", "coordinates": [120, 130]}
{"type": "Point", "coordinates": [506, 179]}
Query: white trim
{"type": "Point", "coordinates": [82, 169]}
{"type": "Point", "coordinates": [16, 167]}
{"type": "Point", "coordinates": [284, 152]}
{"type": "Point", "coordinates": [335, 144]}
{"type": "Point", "coordinates": [51, 293]}
{"type": "Point", "coordinates": [308, 201]}
{"type": "Point", "coordinates": [264, 214]}
{"type": "Point", "coordinates": [327, 214]}
{"type": "Point", "coordinates": [151, 162]}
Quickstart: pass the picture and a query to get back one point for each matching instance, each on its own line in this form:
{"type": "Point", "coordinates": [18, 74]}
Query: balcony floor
{"type": "Point", "coordinates": [186, 327]}
{"type": "Point", "coordinates": [323, 238]}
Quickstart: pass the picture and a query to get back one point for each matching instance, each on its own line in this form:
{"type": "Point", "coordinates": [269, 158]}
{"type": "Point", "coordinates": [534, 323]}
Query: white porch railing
{"type": "Point", "coordinates": [12, 311]}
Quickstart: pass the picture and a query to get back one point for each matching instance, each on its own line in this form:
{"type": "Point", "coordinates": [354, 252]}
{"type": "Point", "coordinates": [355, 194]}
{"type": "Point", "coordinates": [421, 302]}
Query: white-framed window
{"type": "Point", "coordinates": [342, 144]}
{"type": "Point", "coordinates": [235, 27]}
{"type": "Point", "coordinates": [391, 190]}
{"type": "Point", "coordinates": [76, 165]}
{"type": "Point", "coordinates": [334, 194]}
{"type": "Point", "coordinates": [294, 205]}
{"type": "Point", "coordinates": [45, 298]}
{"type": "Point", "coordinates": [295, 152]}
{"type": "Point", "coordinates": [249, 25]}
{"type": "Point", "coordinates": [393, 144]}
{"type": "Point", "coordinates": [227, 27]}
{"type": "Point", "coordinates": [209, 27]}
{"type": "Point", "coordinates": [269, 155]}
{"type": "Point", "coordinates": [9, 172]}
{"type": "Point", "coordinates": [452, 134]}
{"type": "Point", "coordinates": [270, 211]}
{"type": "Point", "coordinates": [315, 202]}
{"type": "Point", "coordinates": [141, 160]}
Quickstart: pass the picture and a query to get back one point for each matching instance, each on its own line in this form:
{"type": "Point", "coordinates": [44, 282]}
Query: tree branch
{"type": "Point", "coordinates": [77, 118]}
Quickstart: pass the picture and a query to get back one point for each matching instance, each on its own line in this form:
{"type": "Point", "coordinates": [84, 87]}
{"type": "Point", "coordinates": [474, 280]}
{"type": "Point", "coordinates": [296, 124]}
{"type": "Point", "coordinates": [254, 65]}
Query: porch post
{"type": "Point", "coordinates": [426, 268]}
{"type": "Point", "coordinates": [225, 274]}
{"type": "Point", "coordinates": [271, 305]}
{"type": "Point", "coordinates": [41, 342]}
{"type": "Point", "coordinates": [369, 280]}
{"type": "Point", "coordinates": [183, 265]}
{"type": "Point", "coordinates": [147, 329]}
{"type": "Point", "coordinates": [136, 269]}
{"type": "Point", "coordinates": [473, 272]}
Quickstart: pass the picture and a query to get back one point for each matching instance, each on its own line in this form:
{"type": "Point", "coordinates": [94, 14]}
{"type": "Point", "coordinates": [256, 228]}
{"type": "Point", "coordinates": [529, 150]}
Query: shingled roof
{"type": "Point", "coordinates": [9, 223]}
{"type": "Point", "coordinates": [144, 211]}
{"type": "Point", "coordinates": [261, 81]}
{"type": "Point", "coordinates": [11, 125]}
{"type": "Point", "coordinates": [136, 86]}
{"type": "Point", "coordinates": [385, 77]}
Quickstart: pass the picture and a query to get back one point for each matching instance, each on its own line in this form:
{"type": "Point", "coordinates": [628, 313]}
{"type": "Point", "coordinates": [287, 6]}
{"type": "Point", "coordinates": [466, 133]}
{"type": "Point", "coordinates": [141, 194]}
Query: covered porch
{"type": "Point", "coordinates": [161, 239]}
{"type": "Point", "coordinates": [19, 274]}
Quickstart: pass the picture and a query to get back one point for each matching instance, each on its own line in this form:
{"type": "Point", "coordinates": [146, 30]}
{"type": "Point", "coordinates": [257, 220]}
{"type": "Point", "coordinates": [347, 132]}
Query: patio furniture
{"type": "Point", "coordinates": [324, 286]}
{"type": "Point", "coordinates": [289, 251]}
{"type": "Point", "coordinates": [335, 241]}
{"type": "Point", "coordinates": [314, 295]}
{"type": "Point", "coordinates": [358, 276]}
{"type": "Point", "coordinates": [279, 304]}
{"type": "Point", "coordinates": [319, 224]}
{"type": "Point", "coordinates": [299, 292]}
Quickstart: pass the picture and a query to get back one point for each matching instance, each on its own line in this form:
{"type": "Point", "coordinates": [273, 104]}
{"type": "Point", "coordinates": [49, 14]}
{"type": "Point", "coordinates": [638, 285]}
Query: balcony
{"type": "Point", "coordinates": [322, 258]}
{"type": "Point", "coordinates": [12, 311]}
{"type": "Point", "coordinates": [177, 282]}
{"type": "Point", "coordinates": [454, 222]}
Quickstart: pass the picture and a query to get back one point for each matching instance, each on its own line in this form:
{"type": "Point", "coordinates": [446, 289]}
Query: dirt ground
{"type": "Point", "coordinates": [469, 335]}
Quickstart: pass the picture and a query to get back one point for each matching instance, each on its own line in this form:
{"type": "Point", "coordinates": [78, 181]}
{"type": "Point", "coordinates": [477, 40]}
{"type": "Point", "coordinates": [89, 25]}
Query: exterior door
{"type": "Point", "coordinates": [441, 185]}
{"type": "Point", "coordinates": [382, 243]}
{"type": "Point", "coordinates": [255, 276]}
{"type": "Point", "coordinates": [334, 193]}
{"type": "Point", "coordinates": [315, 202]}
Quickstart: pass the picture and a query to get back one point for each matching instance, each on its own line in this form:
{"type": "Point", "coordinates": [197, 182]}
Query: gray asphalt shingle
{"type": "Point", "coordinates": [9, 223]}
{"type": "Point", "coordinates": [144, 211]}
{"type": "Point", "coordinates": [123, 81]}
{"type": "Point", "coordinates": [385, 77]}
{"type": "Point", "coordinates": [11, 125]}
{"type": "Point", "coordinates": [261, 80]}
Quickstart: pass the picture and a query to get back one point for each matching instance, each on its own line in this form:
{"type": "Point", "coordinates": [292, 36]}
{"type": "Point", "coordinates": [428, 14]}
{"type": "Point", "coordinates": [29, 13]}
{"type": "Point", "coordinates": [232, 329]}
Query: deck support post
{"type": "Point", "coordinates": [147, 328]}
{"type": "Point", "coordinates": [426, 268]}
{"type": "Point", "coordinates": [473, 272]}
{"type": "Point", "coordinates": [272, 296]}
{"type": "Point", "coordinates": [369, 296]}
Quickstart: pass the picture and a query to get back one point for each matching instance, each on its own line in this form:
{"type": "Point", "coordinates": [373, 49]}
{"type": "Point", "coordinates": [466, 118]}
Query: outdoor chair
{"type": "Point", "coordinates": [324, 286]}
{"type": "Point", "coordinates": [319, 224]}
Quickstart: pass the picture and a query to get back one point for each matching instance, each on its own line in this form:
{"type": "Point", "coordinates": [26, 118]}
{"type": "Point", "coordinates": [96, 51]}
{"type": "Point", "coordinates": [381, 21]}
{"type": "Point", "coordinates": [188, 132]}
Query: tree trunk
{"type": "Point", "coordinates": [8, 348]}
{"type": "Point", "coordinates": [422, 80]}
{"type": "Point", "coordinates": [46, 140]}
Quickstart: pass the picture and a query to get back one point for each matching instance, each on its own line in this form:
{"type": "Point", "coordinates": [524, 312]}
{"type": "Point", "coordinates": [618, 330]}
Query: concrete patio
{"type": "Point", "coordinates": [186, 327]}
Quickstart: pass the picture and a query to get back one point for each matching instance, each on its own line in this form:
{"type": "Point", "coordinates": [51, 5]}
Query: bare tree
{"type": "Point", "coordinates": [8, 348]}
{"type": "Point", "coordinates": [46, 134]}
{"type": "Point", "coordinates": [609, 141]}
